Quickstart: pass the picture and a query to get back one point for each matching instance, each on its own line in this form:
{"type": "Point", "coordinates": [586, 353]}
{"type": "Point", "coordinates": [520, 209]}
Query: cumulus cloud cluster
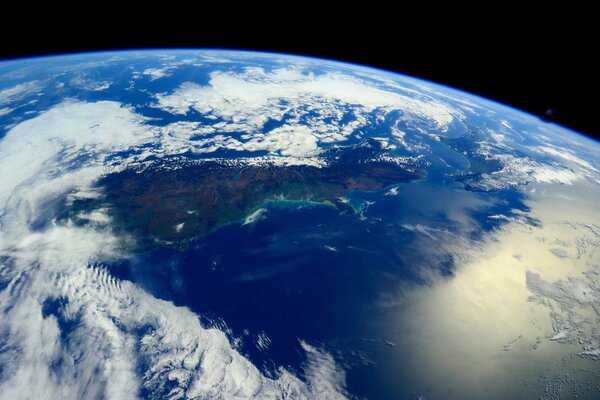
{"type": "Point", "coordinates": [18, 92]}
{"type": "Point", "coordinates": [542, 163]}
{"type": "Point", "coordinates": [310, 109]}
{"type": "Point", "coordinates": [574, 302]}
{"type": "Point", "coordinates": [11, 95]}
{"type": "Point", "coordinates": [517, 171]}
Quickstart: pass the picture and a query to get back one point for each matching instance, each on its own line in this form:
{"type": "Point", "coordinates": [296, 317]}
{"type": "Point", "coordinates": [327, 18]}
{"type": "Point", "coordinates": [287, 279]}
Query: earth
{"type": "Point", "coordinates": [230, 225]}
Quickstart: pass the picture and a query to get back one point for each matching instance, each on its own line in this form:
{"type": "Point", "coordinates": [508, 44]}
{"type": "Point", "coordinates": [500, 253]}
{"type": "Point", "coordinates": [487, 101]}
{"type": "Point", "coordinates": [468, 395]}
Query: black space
{"type": "Point", "coordinates": [543, 63]}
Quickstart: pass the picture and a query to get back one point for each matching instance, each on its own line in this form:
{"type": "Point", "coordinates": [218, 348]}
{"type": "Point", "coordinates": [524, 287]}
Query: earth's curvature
{"type": "Point", "coordinates": [231, 225]}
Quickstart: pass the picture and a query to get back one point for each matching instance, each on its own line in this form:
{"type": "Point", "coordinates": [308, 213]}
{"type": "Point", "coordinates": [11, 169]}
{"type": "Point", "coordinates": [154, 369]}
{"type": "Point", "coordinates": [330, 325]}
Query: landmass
{"type": "Point", "coordinates": [166, 202]}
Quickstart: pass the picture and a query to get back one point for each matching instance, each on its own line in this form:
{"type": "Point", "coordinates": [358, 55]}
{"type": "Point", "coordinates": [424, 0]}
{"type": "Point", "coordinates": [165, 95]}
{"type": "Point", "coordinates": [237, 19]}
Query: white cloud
{"type": "Point", "coordinates": [567, 155]}
{"type": "Point", "coordinates": [255, 216]}
{"type": "Point", "coordinates": [573, 304]}
{"type": "Point", "coordinates": [82, 81]}
{"type": "Point", "coordinates": [519, 170]}
{"type": "Point", "coordinates": [287, 140]}
{"type": "Point", "coordinates": [430, 232]}
{"type": "Point", "coordinates": [179, 227]}
{"type": "Point", "coordinates": [326, 379]}
{"type": "Point", "coordinates": [99, 216]}
{"type": "Point", "coordinates": [317, 104]}
{"type": "Point", "coordinates": [170, 64]}
{"type": "Point", "coordinates": [157, 73]}
{"type": "Point", "coordinates": [19, 92]}
{"type": "Point", "coordinates": [392, 192]}
{"type": "Point", "coordinates": [548, 174]}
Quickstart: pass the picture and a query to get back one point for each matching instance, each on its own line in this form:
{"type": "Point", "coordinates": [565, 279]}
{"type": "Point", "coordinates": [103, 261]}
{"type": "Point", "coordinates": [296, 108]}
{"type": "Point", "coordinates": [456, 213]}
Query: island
{"type": "Point", "coordinates": [167, 202]}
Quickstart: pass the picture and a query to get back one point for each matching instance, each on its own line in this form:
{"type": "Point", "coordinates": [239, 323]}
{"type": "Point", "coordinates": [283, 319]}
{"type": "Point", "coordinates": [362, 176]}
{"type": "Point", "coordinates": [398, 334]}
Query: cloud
{"type": "Point", "coordinates": [430, 232]}
{"type": "Point", "coordinates": [326, 379]}
{"type": "Point", "coordinates": [392, 192]}
{"type": "Point", "coordinates": [82, 81]}
{"type": "Point", "coordinates": [255, 216]}
{"type": "Point", "coordinates": [574, 305]}
{"type": "Point", "coordinates": [519, 170]}
{"type": "Point", "coordinates": [157, 73]}
{"type": "Point", "coordinates": [567, 155]}
{"type": "Point", "coordinates": [310, 108]}
{"type": "Point", "coordinates": [19, 92]}
{"type": "Point", "coordinates": [168, 68]}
